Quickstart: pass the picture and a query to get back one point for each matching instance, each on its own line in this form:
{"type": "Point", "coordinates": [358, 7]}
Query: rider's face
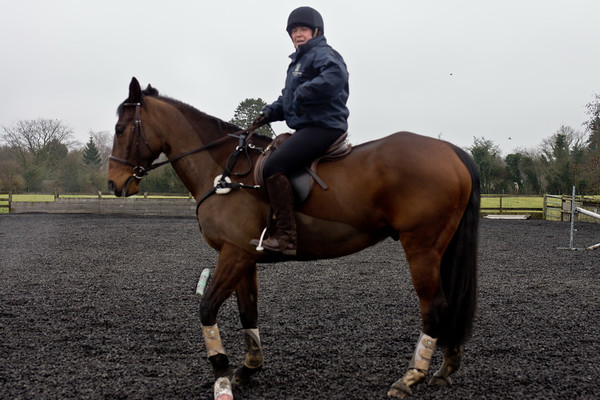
{"type": "Point", "coordinates": [301, 35]}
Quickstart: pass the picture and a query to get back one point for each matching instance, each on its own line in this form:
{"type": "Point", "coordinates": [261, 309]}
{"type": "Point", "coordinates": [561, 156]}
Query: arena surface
{"type": "Point", "coordinates": [95, 307]}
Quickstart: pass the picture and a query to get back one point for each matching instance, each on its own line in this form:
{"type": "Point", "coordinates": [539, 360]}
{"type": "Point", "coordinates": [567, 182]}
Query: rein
{"type": "Point", "coordinates": [223, 183]}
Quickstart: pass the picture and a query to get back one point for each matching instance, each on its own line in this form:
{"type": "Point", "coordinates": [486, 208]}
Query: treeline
{"type": "Point", "coordinates": [567, 158]}
{"type": "Point", "coordinates": [40, 156]}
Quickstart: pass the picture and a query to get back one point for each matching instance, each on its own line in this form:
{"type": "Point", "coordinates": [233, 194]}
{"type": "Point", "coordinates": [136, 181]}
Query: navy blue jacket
{"type": "Point", "coordinates": [316, 89]}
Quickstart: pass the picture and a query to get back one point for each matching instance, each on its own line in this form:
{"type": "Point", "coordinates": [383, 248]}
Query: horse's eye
{"type": "Point", "coordinates": [119, 129]}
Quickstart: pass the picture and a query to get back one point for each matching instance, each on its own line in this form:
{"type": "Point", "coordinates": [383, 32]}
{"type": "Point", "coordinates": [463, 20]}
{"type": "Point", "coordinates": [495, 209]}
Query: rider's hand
{"type": "Point", "coordinates": [260, 120]}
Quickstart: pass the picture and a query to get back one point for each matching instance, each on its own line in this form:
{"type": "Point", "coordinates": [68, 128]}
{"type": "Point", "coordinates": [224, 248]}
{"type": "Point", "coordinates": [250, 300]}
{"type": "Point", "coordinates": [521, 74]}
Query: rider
{"type": "Point", "coordinates": [313, 102]}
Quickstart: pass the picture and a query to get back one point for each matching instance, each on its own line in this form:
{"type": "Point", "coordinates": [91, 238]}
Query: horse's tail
{"type": "Point", "coordinates": [459, 268]}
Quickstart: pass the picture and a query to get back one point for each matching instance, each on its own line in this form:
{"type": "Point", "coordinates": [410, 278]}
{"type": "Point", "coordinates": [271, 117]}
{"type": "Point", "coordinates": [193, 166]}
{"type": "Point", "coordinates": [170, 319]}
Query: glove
{"type": "Point", "coordinates": [259, 120]}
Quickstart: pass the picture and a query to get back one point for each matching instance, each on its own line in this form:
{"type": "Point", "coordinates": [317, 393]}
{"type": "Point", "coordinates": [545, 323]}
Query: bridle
{"type": "Point", "coordinates": [139, 171]}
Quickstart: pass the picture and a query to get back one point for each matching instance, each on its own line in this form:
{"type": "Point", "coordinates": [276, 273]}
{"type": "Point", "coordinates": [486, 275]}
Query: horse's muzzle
{"type": "Point", "coordinates": [112, 187]}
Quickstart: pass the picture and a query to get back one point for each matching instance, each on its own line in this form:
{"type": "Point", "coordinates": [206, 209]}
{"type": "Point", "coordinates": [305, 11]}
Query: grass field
{"type": "Point", "coordinates": [521, 202]}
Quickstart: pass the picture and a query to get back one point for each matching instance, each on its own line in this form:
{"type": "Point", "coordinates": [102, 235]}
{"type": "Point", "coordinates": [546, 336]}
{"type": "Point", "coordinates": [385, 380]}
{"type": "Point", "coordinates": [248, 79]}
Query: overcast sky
{"type": "Point", "coordinates": [511, 71]}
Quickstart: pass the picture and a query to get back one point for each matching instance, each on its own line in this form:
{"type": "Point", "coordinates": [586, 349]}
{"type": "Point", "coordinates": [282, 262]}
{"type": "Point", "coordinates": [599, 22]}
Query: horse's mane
{"type": "Point", "coordinates": [191, 113]}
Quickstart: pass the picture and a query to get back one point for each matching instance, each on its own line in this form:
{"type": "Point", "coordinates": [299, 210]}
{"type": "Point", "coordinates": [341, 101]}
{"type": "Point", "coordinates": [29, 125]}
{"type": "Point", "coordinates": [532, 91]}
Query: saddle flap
{"type": "Point", "coordinates": [303, 181]}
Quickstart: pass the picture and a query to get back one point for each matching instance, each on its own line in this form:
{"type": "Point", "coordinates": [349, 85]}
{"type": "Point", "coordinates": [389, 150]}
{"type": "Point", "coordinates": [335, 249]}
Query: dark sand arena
{"type": "Point", "coordinates": [104, 307]}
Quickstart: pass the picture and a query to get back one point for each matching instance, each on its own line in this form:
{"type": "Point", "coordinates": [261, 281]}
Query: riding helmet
{"type": "Point", "coordinates": [305, 16]}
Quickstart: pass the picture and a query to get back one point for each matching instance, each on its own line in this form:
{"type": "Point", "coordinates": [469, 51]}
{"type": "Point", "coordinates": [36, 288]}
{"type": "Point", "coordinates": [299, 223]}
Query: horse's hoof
{"type": "Point", "coordinates": [243, 374]}
{"type": "Point", "coordinates": [440, 381]}
{"type": "Point", "coordinates": [399, 390]}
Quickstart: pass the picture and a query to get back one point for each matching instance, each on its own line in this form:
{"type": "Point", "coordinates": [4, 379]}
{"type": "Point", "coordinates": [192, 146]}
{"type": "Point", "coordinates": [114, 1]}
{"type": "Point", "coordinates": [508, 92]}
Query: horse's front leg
{"type": "Point", "coordinates": [233, 266]}
{"type": "Point", "coordinates": [247, 298]}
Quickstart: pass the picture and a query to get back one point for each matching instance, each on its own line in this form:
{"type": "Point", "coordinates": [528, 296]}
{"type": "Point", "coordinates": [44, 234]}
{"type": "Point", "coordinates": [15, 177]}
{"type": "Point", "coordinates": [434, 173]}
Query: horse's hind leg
{"type": "Point", "coordinates": [424, 267]}
{"type": "Point", "coordinates": [417, 368]}
{"type": "Point", "coordinates": [451, 364]}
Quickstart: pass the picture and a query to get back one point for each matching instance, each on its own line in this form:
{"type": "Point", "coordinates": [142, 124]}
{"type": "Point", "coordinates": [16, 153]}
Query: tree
{"type": "Point", "coordinates": [591, 167]}
{"type": "Point", "coordinates": [489, 164]}
{"type": "Point", "coordinates": [563, 154]}
{"type": "Point", "coordinates": [513, 171]}
{"type": "Point", "coordinates": [11, 172]}
{"type": "Point", "coordinates": [593, 125]}
{"type": "Point", "coordinates": [530, 166]}
{"type": "Point", "coordinates": [35, 140]}
{"type": "Point", "coordinates": [51, 157]}
{"type": "Point", "coordinates": [245, 113]}
{"type": "Point", "coordinates": [562, 142]}
{"type": "Point", "coordinates": [91, 156]}
{"type": "Point", "coordinates": [103, 141]}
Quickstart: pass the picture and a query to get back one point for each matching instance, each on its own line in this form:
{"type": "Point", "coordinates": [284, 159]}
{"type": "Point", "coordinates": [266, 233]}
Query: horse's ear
{"type": "Point", "coordinates": [135, 91]}
{"type": "Point", "coordinates": [150, 91]}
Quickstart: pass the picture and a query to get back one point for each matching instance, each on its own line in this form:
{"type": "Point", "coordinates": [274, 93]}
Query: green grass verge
{"type": "Point", "coordinates": [513, 202]}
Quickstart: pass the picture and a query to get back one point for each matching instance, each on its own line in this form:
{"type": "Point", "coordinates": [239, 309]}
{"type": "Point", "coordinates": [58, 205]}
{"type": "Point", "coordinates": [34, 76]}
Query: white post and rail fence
{"type": "Point", "coordinates": [576, 211]}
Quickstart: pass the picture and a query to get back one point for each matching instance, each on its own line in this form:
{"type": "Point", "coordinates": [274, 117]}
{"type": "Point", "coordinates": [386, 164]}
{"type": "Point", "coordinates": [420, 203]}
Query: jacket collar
{"type": "Point", "coordinates": [306, 47]}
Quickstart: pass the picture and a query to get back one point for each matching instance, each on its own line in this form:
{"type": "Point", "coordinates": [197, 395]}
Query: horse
{"type": "Point", "coordinates": [420, 191]}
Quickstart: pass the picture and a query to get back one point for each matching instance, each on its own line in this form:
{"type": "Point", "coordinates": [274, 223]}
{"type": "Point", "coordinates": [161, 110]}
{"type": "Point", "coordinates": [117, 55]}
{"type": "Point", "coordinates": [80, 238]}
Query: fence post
{"type": "Point", "coordinates": [545, 206]}
{"type": "Point", "coordinates": [572, 218]}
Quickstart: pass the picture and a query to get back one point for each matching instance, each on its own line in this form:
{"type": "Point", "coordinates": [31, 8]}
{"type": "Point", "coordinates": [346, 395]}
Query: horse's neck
{"type": "Point", "coordinates": [198, 170]}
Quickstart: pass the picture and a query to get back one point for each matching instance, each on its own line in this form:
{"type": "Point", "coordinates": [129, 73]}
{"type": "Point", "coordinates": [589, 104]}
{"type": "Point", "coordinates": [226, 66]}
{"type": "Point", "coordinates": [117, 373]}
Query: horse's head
{"type": "Point", "coordinates": [135, 147]}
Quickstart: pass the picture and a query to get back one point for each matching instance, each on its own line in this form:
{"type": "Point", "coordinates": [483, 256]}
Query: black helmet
{"type": "Point", "coordinates": [305, 16]}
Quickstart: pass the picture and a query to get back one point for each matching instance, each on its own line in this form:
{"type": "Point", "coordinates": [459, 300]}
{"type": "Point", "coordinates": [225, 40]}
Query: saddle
{"type": "Point", "coordinates": [304, 180]}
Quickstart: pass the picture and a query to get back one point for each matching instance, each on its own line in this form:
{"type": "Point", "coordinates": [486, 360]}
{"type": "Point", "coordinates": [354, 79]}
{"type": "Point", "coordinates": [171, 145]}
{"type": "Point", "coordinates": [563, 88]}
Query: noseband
{"type": "Point", "coordinates": [137, 132]}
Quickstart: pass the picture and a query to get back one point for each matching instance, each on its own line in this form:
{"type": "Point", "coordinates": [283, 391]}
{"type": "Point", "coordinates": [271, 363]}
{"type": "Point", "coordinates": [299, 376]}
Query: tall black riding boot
{"type": "Point", "coordinates": [281, 197]}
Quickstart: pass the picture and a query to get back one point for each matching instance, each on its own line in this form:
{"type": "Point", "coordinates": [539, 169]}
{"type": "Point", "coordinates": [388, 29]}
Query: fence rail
{"type": "Point", "coordinates": [550, 207]}
{"type": "Point", "coordinates": [559, 208]}
{"type": "Point", "coordinates": [146, 205]}
{"type": "Point", "coordinates": [5, 202]}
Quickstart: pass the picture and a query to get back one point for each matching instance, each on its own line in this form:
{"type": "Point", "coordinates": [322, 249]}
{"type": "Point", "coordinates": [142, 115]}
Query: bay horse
{"type": "Point", "coordinates": [419, 190]}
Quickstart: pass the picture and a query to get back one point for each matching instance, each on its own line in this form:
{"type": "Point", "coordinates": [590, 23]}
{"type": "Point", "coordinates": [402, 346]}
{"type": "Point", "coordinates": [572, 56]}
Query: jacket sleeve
{"type": "Point", "coordinates": [274, 111]}
{"type": "Point", "coordinates": [331, 79]}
